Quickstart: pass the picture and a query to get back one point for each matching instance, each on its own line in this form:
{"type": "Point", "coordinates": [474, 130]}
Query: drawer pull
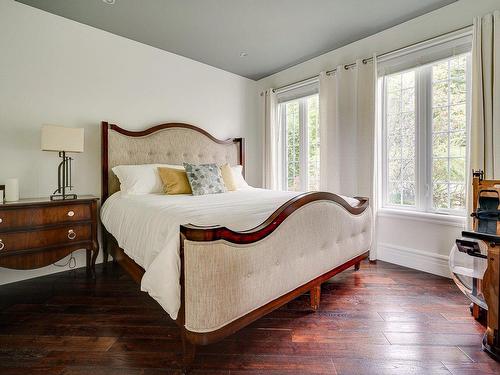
{"type": "Point", "coordinates": [2, 245]}
{"type": "Point", "coordinates": [71, 234]}
{"type": "Point", "coordinates": [1, 220]}
{"type": "Point", "coordinates": [71, 213]}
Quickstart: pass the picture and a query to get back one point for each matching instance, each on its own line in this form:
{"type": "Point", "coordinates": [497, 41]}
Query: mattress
{"type": "Point", "coordinates": [147, 228]}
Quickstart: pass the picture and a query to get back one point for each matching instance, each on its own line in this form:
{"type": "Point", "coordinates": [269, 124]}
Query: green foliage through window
{"type": "Point", "coordinates": [426, 136]}
{"type": "Point", "coordinates": [301, 121]}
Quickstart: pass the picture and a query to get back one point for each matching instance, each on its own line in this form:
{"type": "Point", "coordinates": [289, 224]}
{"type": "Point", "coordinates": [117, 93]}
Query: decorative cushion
{"type": "Point", "coordinates": [141, 179]}
{"type": "Point", "coordinates": [233, 177]}
{"type": "Point", "coordinates": [205, 179]}
{"type": "Point", "coordinates": [227, 176]}
{"type": "Point", "coordinates": [238, 178]}
{"type": "Point", "coordinates": [174, 180]}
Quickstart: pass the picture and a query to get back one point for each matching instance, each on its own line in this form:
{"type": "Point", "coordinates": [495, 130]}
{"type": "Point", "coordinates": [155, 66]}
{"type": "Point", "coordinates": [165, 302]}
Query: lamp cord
{"type": "Point", "coordinates": [71, 262]}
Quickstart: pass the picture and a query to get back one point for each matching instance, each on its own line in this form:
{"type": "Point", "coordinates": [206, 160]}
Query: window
{"type": "Point", "coordinates": [425, 116]}
{"type": "Point", "coordinates": [300, 126]}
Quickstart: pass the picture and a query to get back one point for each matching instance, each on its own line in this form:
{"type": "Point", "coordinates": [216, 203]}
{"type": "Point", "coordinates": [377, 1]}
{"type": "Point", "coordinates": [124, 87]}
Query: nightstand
{"type": "Point", "coordinates": [35, 233]}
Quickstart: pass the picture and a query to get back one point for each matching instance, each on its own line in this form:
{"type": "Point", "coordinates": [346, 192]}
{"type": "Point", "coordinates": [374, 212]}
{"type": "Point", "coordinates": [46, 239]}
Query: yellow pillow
{"type": "Point", "coordinates": [175, 181]}
{"type": "Point", "coordinates": [227, 176]}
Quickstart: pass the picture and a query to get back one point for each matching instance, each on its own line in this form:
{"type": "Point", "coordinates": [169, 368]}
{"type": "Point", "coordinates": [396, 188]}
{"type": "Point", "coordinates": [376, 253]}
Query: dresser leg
{"type": "Point", "coordinates": [91, 259]}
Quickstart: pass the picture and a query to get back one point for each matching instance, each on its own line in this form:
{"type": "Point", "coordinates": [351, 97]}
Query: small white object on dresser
{"type": "Point", "coordinates": [12, 190]}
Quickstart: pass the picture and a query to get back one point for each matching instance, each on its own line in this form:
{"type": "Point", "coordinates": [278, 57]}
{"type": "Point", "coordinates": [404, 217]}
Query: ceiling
{"type": "Point", "coordinates": [270, 34]}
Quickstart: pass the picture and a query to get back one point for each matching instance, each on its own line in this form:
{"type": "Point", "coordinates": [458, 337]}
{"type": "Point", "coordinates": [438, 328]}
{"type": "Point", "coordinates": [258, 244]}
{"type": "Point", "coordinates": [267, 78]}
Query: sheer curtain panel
{"type": "Point", "coordinates": [347, 126]}
{"type": "Point", "coordinates": [347, 123]}
{"type": "Point", "coordinates": [271, 141]}
{"type": "Point", "coordinates": [484, 145]}
{"type": "Point", "coordinates": [485, 124]}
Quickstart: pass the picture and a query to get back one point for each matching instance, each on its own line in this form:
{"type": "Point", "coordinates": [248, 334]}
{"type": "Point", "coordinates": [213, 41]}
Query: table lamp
{"type": "Point", "coordinates": [62, 140]}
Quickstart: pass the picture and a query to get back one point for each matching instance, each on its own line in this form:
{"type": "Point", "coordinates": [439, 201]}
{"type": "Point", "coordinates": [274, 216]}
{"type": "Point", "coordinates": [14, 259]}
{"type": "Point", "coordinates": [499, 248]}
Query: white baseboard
{"type": "Point", "coordinates": [426, 261]}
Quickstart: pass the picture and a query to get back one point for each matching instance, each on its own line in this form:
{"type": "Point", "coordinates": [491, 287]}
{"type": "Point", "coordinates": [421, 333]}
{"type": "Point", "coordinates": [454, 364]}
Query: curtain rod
{"type": "Point", "coordinates": [369, 59]}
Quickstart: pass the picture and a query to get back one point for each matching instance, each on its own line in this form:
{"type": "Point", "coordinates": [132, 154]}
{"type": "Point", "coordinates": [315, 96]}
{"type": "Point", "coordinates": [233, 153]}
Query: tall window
{"type": "Point", "coordinates": [300, 126]}
{"type": "Point", "coordinates": [425, 117]}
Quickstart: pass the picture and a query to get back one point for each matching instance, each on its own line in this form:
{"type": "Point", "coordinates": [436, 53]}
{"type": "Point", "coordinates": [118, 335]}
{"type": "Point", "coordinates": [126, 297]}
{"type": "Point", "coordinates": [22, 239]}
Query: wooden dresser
{"type": "Point", "coordinates": [38, 232]}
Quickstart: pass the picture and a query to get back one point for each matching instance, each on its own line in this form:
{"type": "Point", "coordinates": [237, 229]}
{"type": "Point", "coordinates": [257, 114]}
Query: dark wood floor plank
{"type": "Point", "coordinates": [66, 343]}
{"type": "Point", "coordinates": [476, 354]}
{"type": "Point", "coordinates": [468, 368]}
{"type": "Point", "coordinates": [39, 328]}
{"type": "Point", "coordinates": [340, 337]}
{"type": "Point", "coordinates": [32, 371]}
{"type": "Point", "coordinates": [383, 319]}
{"type": "Point", "coordinates": [169, 359]}
{"type": "Point", "coordinates": [375, 367]}
{"type": "Point", "coordinates": [295, 364]}
{"type": "Point", "coordinates": [429, 338]}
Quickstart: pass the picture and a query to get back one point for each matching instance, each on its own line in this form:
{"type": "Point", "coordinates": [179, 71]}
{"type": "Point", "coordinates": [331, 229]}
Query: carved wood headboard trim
{"type": "Point", "coordinates": [106, 127]}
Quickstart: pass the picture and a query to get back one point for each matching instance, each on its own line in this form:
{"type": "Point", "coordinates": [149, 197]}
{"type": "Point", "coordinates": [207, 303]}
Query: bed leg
{"type": "Point", "coordinates": [188, 353]}
{"type": "Point", "coordinates": [315, 294]}
{"type": "Point", "coordinates": [105, 250]}
{"type": "Point", "coordinates": [105, 246]}
{"type": "Point", "coordinates": [356, 266]}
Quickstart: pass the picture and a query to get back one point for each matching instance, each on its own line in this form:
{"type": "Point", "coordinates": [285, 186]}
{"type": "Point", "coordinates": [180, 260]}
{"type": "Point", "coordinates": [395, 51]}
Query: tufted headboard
{"type": "Point", "coordinates": [164, 144]}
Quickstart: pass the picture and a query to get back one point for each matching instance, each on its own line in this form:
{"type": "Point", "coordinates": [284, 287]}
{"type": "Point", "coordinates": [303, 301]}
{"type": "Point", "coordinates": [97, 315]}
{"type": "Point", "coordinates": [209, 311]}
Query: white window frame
{"type": "Point", "coordinates": [423, 140]}
{"type": "Point", "coordinates": [303, 142]}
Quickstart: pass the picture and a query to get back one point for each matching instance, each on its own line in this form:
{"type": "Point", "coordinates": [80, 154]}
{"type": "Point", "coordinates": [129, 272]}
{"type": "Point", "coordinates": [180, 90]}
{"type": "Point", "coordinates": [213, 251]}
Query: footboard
{"type": "Point", "coordinates": [232, 278]}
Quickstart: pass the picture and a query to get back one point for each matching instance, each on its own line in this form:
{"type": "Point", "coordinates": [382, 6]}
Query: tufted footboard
{"type": "Point", "coordinates": [229, 276]}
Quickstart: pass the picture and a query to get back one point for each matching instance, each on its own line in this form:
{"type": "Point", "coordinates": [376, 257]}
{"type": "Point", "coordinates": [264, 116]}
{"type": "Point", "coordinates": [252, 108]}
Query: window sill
{"type": "Point", "coordinates": [433, 218]}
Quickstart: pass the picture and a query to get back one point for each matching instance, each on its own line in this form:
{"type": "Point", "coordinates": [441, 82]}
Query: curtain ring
{"type": "Point", "coordinates": [346, 67]}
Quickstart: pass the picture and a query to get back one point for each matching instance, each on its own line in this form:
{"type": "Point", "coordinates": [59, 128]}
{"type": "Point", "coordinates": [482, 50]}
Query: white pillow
{"type": "Point", "coordinates": [239, 180]}
{"type": "Point", "coordinates": [141, 179]}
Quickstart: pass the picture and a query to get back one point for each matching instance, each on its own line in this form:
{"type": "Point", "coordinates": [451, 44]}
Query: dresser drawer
{"type": "Point", "coordinates": [35, 216]}
{"type": "Point", "coordinates": [44, 238]}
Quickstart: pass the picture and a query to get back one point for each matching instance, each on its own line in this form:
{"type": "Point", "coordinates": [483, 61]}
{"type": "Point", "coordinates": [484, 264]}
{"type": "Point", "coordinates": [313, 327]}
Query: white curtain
{"type": "Point", "coordinates": [377, 155]}
{"type": "Point", "coordinates": [485, 116]}
{"type": "Point", "coordinates": [348, 122]}
{"type": "Point", "coordinates": [485, 124]}
{"type": "Point", "coordinates": [271, 141]}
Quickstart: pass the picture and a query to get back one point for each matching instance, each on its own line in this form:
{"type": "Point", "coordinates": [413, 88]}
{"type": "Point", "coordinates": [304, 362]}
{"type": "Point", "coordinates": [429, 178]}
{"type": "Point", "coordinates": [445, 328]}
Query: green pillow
{"type": "Point", "coordinates": [205, 179]}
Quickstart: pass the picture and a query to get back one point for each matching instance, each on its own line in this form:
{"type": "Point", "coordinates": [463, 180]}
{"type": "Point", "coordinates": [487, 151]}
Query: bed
{"type": "Point", "coordinates": [216, 263]}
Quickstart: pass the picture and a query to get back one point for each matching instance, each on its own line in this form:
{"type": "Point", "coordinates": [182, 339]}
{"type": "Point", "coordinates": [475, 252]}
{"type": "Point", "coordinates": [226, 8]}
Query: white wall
{"type": "Point", "coordinates": [57, 71]}
{"type": "Point", "coordinates": [418, 243]}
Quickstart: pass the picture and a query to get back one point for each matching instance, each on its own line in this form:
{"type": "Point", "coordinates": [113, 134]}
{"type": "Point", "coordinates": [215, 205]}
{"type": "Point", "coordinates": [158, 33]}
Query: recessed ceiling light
{"type": "Point", "coordinates": [243, 54]}
{"type": "Point", "coordinates": [109, 2]}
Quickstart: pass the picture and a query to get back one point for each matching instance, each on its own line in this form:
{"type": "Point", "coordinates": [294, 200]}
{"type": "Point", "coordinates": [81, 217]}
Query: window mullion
{"type": "Point", "coordinates": [429, 150]}
{"type": "Point", "coordinates": [283, 163]}
{"type": "Point", "coordinates": [383, 102]}
{"type": "Point", "coordinates": [423, 130]}
{"type": "Point", "coordinates": [303, 149]}
{"type": "Point", "coordinates": [420, 139]}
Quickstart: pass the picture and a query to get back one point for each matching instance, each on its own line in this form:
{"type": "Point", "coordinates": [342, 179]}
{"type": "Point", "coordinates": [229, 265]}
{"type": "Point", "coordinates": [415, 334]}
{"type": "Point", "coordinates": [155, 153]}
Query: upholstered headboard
{"type": "Point", "coordinates": [165, 144]}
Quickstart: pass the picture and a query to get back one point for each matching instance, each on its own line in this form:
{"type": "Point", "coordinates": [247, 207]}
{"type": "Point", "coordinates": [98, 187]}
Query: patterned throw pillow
{"type": "Point", "coordinates": [205, 179]}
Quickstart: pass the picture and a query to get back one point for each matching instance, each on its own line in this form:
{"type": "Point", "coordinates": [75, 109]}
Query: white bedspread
{"type": "Point", "coordinates": [147, 229]}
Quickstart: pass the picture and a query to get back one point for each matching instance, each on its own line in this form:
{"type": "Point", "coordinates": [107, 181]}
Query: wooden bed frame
{"type": "Point", "coordinates": [192, 233]}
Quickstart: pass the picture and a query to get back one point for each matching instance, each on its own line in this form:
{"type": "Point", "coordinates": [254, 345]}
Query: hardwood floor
{"type": "Point", "coordinates": [383, 319]}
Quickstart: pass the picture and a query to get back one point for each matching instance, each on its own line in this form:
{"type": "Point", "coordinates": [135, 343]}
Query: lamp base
{"type": "Point", "coordinates": [63, 197]}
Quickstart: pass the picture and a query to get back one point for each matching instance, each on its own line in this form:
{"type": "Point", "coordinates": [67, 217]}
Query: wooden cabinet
{"type": "Point", "coordinates": [37, 232]}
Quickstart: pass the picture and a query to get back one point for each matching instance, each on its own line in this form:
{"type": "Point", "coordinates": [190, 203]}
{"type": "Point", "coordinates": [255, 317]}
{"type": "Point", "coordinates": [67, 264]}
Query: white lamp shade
{"type": "Point", "coordinates": [60, 138]}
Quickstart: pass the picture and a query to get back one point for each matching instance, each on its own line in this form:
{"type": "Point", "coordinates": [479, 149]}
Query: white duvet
{"type": "Point", "coordinates": [147, 229]}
